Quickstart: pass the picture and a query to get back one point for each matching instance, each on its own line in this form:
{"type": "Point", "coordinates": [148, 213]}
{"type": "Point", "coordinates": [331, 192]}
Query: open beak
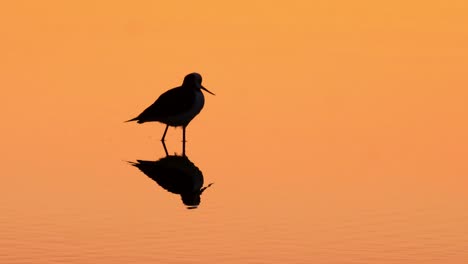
{"type": "Point", "coordinates": [203, 88]}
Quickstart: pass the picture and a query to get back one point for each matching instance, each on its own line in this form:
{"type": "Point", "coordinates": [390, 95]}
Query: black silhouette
{"type": "Point", "coordinates": [176, 107]}
{"type": "Point", "coordinates": [178, 175]}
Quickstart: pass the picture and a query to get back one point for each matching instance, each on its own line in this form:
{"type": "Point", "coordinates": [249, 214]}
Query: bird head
{"type": "Point", "coordinates": [194, 80]}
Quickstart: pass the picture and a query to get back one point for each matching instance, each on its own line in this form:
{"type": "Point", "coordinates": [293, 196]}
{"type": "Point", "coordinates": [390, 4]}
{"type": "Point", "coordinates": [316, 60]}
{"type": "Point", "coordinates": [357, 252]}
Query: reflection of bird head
{"type": "Point", "coordinates": [192, 200]}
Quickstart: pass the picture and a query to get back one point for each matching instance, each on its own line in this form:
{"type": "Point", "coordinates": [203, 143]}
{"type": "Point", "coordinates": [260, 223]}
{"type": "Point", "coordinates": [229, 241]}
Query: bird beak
{"type": "Point", "coordinates": [203, 88]}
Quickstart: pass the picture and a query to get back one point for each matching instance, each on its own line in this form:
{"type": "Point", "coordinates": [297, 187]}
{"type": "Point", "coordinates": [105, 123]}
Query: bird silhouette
{"type": "Point", "coordinates": [176, 107]}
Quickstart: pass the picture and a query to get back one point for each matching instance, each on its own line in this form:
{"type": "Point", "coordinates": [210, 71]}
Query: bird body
{"type": "Point", "coordinates": [178, 106]}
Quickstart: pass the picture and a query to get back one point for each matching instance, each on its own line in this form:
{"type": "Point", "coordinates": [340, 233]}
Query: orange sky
{"type": "Point", "coordinates": [363, 93]}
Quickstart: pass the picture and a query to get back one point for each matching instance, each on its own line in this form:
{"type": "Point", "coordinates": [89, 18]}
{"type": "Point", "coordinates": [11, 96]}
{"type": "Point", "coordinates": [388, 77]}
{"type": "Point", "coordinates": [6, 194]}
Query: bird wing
{"type": "Point", "coordinates": [170, 103]}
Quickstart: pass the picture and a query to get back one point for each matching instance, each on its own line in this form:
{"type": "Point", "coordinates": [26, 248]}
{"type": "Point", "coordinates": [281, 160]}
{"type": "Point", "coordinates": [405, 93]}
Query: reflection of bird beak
{"type": "Point", "coordinates": [203, 88]}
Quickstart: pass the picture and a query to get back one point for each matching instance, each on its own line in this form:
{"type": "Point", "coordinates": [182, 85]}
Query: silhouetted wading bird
{"type": "Point", "coordinates": [177, 107]}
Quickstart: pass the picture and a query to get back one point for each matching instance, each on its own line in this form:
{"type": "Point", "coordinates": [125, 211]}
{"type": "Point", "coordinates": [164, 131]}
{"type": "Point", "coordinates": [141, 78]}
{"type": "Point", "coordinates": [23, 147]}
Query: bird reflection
{"type": "Point", "coordinates": [176, 174]}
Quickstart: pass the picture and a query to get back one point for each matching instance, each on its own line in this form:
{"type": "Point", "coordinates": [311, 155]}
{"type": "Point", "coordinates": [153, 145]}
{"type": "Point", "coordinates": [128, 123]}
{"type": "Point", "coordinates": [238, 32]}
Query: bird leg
{"type": "Point", "coordinates": [164, 135]}
{"type": "Point", "coordinates": [165, 148]}
{"type": "Point", "coordinates": [183, 141]}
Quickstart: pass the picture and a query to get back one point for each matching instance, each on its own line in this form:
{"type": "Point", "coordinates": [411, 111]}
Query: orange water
{"type": "Point", "coordinates": [338, 131]}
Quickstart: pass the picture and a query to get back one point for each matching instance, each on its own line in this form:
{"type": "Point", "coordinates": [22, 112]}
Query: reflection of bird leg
{"type": "Point", "coordinates": [204, 188]}
{"type": "Point", "coordinates": [183, 140]}
{"type": "Point", "coordinates": [164, 135]}
{"type": "Point", "coordinates": [165, 149]}
{"type": "Point", "coordinates": [162, 140]}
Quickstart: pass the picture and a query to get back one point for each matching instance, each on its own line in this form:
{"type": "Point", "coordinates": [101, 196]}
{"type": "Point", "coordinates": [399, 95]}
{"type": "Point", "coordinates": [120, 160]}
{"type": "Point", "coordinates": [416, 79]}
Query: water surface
{"type": "Point", "coordinates": [337, 133]}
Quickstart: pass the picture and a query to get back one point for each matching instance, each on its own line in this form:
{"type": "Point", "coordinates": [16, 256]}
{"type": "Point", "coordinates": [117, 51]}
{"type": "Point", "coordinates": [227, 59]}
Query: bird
{"type": "Point", "coordinates": [176, 107]}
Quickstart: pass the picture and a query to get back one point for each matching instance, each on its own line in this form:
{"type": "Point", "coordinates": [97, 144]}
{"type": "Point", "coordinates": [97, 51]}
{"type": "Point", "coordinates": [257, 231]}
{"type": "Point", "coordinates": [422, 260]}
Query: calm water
{"type": "Point", "coordinates": [282, 208]}
{"type": "Point", "coordinates": [337, 133]}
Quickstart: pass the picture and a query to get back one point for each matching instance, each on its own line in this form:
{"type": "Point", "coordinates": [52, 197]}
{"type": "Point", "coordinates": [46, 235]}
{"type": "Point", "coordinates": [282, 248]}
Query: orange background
{"type": "Point", "coordinates": [329, 117]}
